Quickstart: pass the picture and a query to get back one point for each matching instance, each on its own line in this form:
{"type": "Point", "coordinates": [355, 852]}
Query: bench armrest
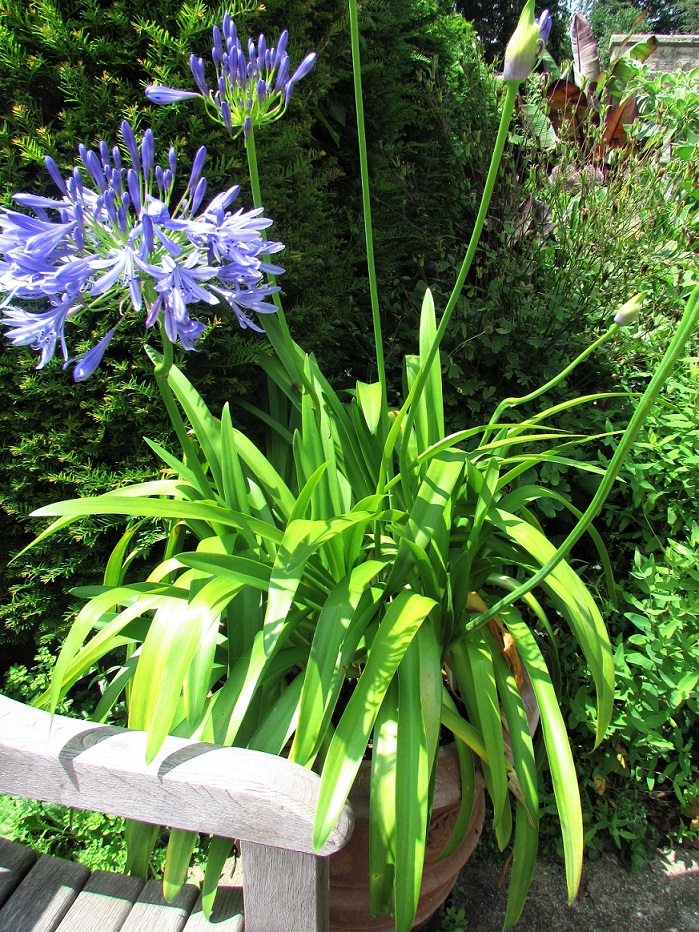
{"type": "Point", "coordinates": [231, 792]}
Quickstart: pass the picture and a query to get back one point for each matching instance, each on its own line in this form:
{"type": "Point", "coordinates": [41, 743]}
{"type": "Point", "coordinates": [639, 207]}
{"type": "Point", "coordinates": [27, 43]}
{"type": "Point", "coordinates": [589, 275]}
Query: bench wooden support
{"type": "Point", "coordinates": [265, 802]}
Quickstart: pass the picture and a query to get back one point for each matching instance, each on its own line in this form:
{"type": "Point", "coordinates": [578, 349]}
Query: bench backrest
{"type": "Point", "coordinates": [265, 802]}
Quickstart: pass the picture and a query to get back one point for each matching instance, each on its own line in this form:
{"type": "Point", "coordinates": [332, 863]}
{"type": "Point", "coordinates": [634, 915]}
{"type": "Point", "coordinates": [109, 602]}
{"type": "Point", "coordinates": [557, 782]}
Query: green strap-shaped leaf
{"type": "Point", "coordinates": [412, 783]}
{"type": "Point", "coordinates": [494, 768]}
{"type": "Point", "coordinates": [197, 678]}
{"type": "Point", "coordinates": [301, 540]}
{"type": "Point", "coordinates": [180, 847]}
{"type": "Point", "coordinates": [369, 399]}
{"type": "Point", "coordinates": [484, 503]}
{"type": "Point", "coordinates": [515, 500]}
{"type": "Point", "coordinates": [431, 684]}
{"type": "Point", "coordinates": [174, 636]}
{"type": "Point", "coordinates": [576, 602]}
{"type": "Point", "coordinates": [74, 660]}
{"type": "Point", "coordinates": [527, 807]}
{"type": "Point", "coordinates": [243, 570]}
{"type": "Point", "coordinates": [428, 519]}
{"type": "Point", "coordinates": [205, 426]}
{"type": "Point", "coordinates": [486, 696]}
{"type": "Point", "coordinates": [186, 475]}
{"type": "Point", "coordinates": [116, 686]}
{"type": "Point", "coordinates": [468, 782]}
{"type": "Point", "coordinates": [277, 416]}
{"type": "Point", "coordinates": [218, 853]}
{"type": "Point", "coordinates": [140, 841]}
{"type": "Point", "coordinates": [280, 722]}
{"type": "Point", "coordinates": [402, 619]}
{"type": "Point", "coordinates": [266, 475]}
{"type": "Point", "coordinates": [118, 561]}
{"type": "Point", "coordinates": [207, 512]}
{"type": "Point", "coordinates": [331, 650]}
{"type": "Point", "coordinates": [464, 731]}
{"type": "Point", "coordinates": [303, 502]}
{"type": "Point", "coordinates": [431, 400]}
{"type": "Point", "coordinates": [558, 753]}
{"type": "Point", "coordinates": [230, 704]}
{"type": "Point", "coordinates": [382, 804]}
{"type": "Point", "coordinates": [234, 488]}
{"type": "Point", "coordinates": [535, 607]}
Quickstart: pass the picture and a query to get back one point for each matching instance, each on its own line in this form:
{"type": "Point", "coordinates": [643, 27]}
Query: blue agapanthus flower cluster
{"type": "Point", "coordinates": [250, 90]}
{"type": "Point", "coordinates": [113, 240]}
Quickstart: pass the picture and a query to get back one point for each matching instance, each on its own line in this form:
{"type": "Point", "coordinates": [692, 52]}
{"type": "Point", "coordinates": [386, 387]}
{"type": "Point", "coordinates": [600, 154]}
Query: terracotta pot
{"type": "Point", "coordinates": [349, 868]}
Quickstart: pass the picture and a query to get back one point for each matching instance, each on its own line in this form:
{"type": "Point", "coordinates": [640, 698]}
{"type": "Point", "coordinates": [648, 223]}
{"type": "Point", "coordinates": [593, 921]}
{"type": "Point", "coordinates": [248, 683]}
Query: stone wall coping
{"type": "Point", "coordinates": [688, 39]}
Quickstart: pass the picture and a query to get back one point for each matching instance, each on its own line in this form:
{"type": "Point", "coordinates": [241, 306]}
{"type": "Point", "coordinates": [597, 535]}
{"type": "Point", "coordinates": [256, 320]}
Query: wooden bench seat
{"type": "Point", "coordinates": [48, 894]}
{"type": "Point", "coordinates": [265, 802]}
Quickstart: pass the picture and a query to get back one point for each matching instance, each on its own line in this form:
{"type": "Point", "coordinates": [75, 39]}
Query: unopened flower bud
{"type": "Point", "coordinates": [628, 312]}
{"type": "Point", "coordinates": [526, 43]}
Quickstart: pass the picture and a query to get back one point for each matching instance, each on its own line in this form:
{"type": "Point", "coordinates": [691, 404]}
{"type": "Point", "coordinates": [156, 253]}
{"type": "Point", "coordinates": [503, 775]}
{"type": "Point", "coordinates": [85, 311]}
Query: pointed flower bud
{"type": "Point", "coordinates": [526, 44]}
{"type": "Point", "coordinates": [628, 312]}
{"type": "Point", "coordinates": [89, 361]}
{"type": "Point", "coordinates": [159, 94]}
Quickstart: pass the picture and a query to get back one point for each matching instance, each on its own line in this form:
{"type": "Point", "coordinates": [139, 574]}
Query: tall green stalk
{"type": "Point", "coordinates": [161, 370]}
{"type": "Point", "coordinates": [366, 208]}
{"type": "Point", "coordinates": [275, 325]}
{"type": "Point", "coordinates": [407, 412]}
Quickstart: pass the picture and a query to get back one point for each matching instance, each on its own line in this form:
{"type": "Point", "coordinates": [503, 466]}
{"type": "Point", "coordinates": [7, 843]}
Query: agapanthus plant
{"type": "Point", "coordinates": [249, 90]}
{"type": "Point", "coordinates": [360, 548]}
{"type": "Point", "coordinates": [122, 244]}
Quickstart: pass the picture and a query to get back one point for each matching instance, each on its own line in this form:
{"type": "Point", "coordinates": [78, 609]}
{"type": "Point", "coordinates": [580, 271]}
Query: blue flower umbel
{"type": "Point", "coordinates": [250, 90]}
{"type": "Point", "coordinates": [113, 241]}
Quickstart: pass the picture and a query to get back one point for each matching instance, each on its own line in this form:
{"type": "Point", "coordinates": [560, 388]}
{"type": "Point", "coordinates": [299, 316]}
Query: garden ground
{"type": "Point", "coordinates": [663, 896]}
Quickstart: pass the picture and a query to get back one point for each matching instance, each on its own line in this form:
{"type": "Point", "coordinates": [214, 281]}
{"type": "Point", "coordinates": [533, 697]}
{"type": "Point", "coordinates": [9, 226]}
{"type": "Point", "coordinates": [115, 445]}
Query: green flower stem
{"type": "Point", "coordinates": [686, 328]}
{"type": "Point", "coordinates": [366, 208]}
{"type": "Point", "coordinates": [505, 118]}
{"type": "Point", "coordinates": [161, 372]}
{"type": "Point", "coordinates": [409, 405]}
{"type": "Point", "coordinates": [532, 396]}
{"type": "Point", "coordinates": [275, 325]}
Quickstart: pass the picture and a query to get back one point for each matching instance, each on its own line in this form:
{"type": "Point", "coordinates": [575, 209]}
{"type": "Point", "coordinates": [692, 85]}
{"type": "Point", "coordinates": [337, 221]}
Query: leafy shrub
{"type": "Point", "coordinates": [645, 775]}
{"type": "Point", "coordinates": [567, 243]}
{"type": "Point", "coordinates": [629, 224]}
{"type": "Point", "coordinates": [658, 669]}
{"type": "Point", "coordinates": [656, 500]}
{"type": "Point", "coordinates": [642, 782]}
{"type": "Point", "coordinates": [94, 840]}
{"type": "Point", "coordinates": [668, 106]}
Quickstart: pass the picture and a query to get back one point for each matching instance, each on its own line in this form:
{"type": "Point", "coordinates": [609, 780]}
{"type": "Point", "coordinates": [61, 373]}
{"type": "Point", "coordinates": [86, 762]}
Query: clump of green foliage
{"type": "Point", "coordinates": [70, 70]}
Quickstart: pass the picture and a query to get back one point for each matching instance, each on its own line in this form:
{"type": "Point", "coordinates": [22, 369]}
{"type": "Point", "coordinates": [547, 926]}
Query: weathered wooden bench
{"type": "Point", "coordinates": [265, 802]}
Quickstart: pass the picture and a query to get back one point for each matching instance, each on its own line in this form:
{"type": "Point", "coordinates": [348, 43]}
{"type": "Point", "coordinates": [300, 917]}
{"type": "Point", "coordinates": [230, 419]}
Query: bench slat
{"type": "Point", "coordinates": [44, 896]}
{"type": "Point", "coordinates": [103, 904]}
{"type": "Point", "coordinates": [151, 913]}
{"type": "Point", "coordinates": [227, 913]}
{"type": "Point", "coordinates": [15, 862]}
